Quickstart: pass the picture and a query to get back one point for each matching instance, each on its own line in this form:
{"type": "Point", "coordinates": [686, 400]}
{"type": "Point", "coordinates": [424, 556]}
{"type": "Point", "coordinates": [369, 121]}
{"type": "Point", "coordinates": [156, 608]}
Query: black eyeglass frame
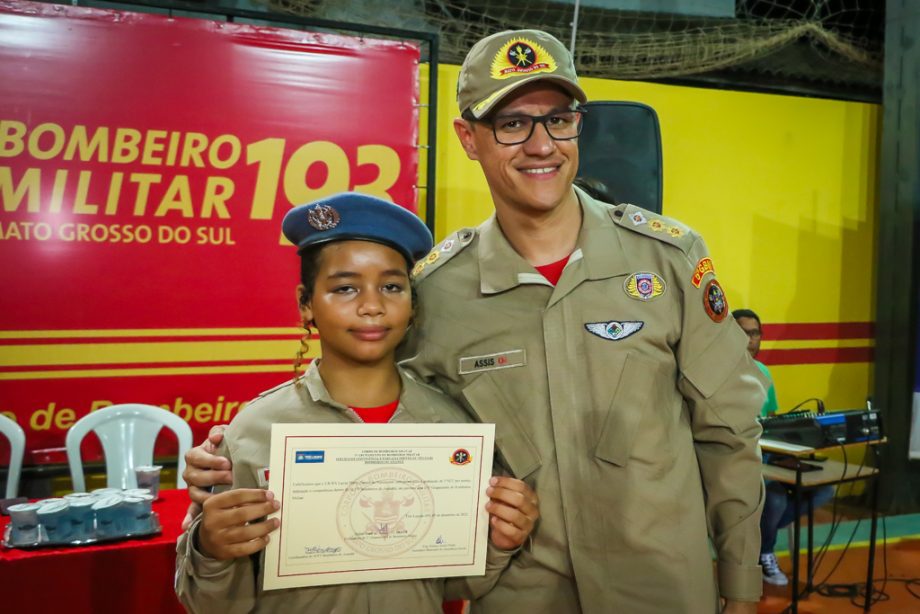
{"type": "Point", "coordinates": [535, 119]}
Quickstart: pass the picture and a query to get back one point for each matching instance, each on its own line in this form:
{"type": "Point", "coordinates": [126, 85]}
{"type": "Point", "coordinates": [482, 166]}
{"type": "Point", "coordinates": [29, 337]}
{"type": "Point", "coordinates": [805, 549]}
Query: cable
{"type": "Point", "coordinates": [835, 523]}
{"type": "Point", "coordinates": [818, 403]}
{"type": "Point", "coordinates": [856, 591]}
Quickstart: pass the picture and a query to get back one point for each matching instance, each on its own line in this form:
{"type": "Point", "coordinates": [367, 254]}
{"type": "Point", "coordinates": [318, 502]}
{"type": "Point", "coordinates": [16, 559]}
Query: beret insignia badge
{"type": "Point", "coordinates": [323, 217]}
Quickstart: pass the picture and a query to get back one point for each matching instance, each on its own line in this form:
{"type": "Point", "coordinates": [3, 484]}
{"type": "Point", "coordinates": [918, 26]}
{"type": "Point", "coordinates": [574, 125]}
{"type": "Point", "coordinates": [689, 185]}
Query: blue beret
{"type": "Point", "coordinates": [350, 216]}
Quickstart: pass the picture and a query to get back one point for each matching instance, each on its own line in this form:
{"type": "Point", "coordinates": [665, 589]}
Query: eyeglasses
{"type": "Point", "coordinates": [517, 129]}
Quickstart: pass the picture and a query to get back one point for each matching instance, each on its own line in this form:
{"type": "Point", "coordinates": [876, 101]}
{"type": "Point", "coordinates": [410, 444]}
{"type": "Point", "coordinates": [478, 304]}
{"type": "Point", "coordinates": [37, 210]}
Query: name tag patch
{"type": "Point", "coordinates": [490, 362]}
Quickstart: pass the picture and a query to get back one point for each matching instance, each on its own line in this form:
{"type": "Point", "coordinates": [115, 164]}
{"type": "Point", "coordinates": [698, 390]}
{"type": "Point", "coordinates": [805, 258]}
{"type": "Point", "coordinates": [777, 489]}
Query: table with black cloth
{"type": "Point", "coordinates": [132, 575]}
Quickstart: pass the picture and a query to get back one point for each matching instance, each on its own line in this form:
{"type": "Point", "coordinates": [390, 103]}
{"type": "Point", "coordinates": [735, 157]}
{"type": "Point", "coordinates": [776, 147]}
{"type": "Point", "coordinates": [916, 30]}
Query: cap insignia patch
{"type": "Point", "coordinates": [520, 57]}
{"type": "Point", "coordinates": [614, 331]}
{"type": "Point", "coordinates": [714, 301]}
{"type": "Point", "coordinates": [323, 217]}
{"type": "Point", "coordinates": [644, 286]}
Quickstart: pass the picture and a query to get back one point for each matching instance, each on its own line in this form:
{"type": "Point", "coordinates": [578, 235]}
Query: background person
{"type": "Point", "coordinates": [779, 503]}
{"type": "Point", "coordinates": [750, 324]}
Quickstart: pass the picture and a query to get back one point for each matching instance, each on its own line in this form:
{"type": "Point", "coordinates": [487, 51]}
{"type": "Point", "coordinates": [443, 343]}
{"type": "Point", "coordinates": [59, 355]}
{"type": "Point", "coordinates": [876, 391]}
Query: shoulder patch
{"type": "Point", "coordinates": [442, 252]}
{"type": "Point", "coordinates": [653, 225]}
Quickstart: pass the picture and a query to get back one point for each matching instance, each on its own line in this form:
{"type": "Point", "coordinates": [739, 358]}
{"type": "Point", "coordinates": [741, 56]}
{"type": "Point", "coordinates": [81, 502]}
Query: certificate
{"type": "Point", "coordinates": [375, 502]}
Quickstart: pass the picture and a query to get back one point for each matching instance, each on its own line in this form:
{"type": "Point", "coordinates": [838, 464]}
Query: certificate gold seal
{"type": "Point", "coordinates": [385, 512]}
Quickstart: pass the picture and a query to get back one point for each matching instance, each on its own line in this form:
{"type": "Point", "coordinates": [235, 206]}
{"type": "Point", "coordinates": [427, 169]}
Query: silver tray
{"type": "Point", "coordinates": [155, 529]}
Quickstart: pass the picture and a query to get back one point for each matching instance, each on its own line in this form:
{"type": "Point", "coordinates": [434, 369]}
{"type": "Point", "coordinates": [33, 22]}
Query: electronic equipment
{"type": "Point", "coordinates": [824, 430]}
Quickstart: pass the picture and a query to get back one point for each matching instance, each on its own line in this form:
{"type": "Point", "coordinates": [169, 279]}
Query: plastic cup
{"type": "Point", "coordinates": [137, 512]}
{"type": "Point", "coordinates": [100, 493]}
{"type": "Point", "coordinates": [82, 519]}
{"type": "Point", "coordinates": [149, 477]}
{"type": "Point", "coordinates": [54, 518]}
{"type": "Point", "coordinates": [109, 521]}
{"type": "Point", "coordinates": [24, 524]}
{"type": "Point", "coordinates": [50, 501]}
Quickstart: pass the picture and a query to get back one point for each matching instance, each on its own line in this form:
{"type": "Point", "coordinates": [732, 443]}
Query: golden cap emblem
{"type": "Point", "coordinates": [521, 57]}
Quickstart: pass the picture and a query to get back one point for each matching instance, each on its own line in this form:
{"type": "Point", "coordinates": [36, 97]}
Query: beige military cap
{"type": "Point", "coordinates": [499, 64]}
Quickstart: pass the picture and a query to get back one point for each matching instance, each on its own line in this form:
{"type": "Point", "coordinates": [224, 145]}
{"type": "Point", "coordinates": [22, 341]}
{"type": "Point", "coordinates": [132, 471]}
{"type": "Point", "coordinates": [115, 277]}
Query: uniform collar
{"type": "Point", "coordinates": [499, 264]}
{"type": "Point", "coordinates": [409, 397]}
{"type": "Point", "coordinates": [599, 240]}
{"type": "Point", "coordinates": [598, 244]}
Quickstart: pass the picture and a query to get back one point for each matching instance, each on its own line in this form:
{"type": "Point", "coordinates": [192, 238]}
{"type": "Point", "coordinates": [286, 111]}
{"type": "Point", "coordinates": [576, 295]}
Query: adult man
{"type": "Point", "coordinates": [750, 324]}
{"type": "Point", "coordinates": [779, 504]}
{"type": "Point", "coordinates": [595, 338]}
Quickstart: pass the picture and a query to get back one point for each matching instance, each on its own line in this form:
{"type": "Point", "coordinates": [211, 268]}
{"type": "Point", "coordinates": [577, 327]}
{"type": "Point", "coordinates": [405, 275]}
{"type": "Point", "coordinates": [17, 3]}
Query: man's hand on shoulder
{"type": "Point", "coordinates": [204, 469]}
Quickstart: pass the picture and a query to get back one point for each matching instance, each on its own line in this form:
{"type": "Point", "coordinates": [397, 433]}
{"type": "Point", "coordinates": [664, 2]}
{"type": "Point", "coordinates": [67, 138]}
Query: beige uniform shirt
{"type": "Point", "coordinates": [209, 586]}
{"type": "Point", "coordinates": [623, 396]}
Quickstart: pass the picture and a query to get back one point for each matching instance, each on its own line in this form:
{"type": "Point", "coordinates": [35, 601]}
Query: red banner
{"type": "Point", "coordinates": [145, 165]}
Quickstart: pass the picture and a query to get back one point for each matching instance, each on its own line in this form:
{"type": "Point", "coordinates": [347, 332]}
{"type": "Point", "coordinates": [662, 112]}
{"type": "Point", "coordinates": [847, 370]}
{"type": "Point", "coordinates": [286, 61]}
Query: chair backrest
{"type": "Point", "coordinates": [127, 433]}
{"type": "Point", "coordinates": [17, 439]}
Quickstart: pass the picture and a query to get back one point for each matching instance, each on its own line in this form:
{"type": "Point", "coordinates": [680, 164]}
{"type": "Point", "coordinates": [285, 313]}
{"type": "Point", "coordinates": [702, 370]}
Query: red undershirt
{"type": "Point", "coordinates": [377, 415]}
{"type": "Point", "coordinates": [553, 271]}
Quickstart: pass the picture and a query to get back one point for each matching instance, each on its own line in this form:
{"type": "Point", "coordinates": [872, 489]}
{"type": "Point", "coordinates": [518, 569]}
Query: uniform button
{"type": "Point", "coordinates": [466, 235]}
{"type": "Point", "coordinates": [618, 213]}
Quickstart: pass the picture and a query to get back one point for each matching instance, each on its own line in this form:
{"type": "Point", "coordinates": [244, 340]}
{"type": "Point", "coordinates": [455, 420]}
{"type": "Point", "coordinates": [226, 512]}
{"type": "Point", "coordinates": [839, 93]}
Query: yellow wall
{"type": "Point", "coordinates": [783, 189]}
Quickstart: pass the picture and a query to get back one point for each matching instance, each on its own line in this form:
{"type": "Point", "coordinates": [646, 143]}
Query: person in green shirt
{"type": "Point", "coordinates": [750, 323]}
{"type": "Point", "coordinates": [778, 507]}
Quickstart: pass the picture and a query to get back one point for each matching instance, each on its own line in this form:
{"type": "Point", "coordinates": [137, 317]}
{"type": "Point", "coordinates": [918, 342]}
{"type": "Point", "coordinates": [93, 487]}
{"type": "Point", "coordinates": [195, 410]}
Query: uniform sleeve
{"type": "Point", "coordinates": [724, 391]}
{"type": "Point", "coordinates": [474, 587]}
{"type": "Point", "coordinates": [497, 561]}
{"type": "Point", "coordinates": [205, 585]}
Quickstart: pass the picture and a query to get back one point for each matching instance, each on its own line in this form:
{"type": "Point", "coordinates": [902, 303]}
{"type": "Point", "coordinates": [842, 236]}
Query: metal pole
{"type": "Point", "coordinates": [574, 28]}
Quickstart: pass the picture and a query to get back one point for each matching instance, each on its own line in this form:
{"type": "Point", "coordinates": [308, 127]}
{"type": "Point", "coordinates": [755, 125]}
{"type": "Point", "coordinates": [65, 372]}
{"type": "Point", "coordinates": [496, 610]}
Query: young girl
{"type": "Point", "coordinates": [356, 252]}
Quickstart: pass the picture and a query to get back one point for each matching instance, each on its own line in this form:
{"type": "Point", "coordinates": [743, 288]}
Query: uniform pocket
{"type": "Point", "coordinates": [633, 397]}
{"type": "Point", "coordinates": [490, 405]}
{"type": "Point", "coordinates": [718, 361]}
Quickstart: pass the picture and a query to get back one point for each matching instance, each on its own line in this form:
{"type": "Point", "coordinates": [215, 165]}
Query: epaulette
{"type": "Point", "coordinates": [442, 252]}
{"type": "Point", "coordinates": [653, 225]}
{"type": "Point", "coordinates": [264, 394]}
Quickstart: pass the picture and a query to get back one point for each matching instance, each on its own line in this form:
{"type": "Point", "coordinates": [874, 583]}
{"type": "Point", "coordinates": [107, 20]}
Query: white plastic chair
{"type": "Point", "coordinates": [127, 433]}
{"type": "Point", "coordinates": [17, 439]}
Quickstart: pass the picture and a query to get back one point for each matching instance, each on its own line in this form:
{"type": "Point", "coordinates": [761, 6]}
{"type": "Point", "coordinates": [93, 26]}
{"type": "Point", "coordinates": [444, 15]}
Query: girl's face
{"type": "Point", "coordinates": [361, 303]}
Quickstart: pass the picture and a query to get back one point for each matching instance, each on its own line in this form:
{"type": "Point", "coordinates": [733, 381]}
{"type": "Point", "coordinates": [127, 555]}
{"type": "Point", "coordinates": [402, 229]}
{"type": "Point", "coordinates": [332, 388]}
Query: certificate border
{"type": "Point", "coordinates": [478, 487]}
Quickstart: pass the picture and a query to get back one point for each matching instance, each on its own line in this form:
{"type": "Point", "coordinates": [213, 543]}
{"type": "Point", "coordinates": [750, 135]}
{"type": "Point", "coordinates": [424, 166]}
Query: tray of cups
{"type": "Point", "coordinates": [107, 514]}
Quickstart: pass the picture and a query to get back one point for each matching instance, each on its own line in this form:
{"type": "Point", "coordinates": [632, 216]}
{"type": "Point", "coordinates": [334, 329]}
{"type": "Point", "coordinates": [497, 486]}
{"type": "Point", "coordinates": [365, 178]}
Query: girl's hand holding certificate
{"type": "Point", "coordinates": [231, 526]}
